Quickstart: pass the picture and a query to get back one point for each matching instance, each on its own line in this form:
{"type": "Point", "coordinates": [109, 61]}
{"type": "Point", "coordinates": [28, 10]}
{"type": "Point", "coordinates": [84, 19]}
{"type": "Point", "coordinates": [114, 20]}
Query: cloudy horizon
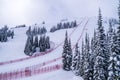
{"type": "Point", "coordinates": [16, 12]}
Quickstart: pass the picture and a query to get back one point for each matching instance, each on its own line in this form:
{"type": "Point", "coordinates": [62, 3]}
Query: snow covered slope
{"type": "Point", "coordinates": [13, 49]}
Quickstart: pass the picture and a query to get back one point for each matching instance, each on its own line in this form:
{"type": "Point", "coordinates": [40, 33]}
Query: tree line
{"type": "Point", "coordinates": [36, 41]}
{"type": "Point", "coordinates": [5, 33]}
{"type": "Point", "coordinates": [36, 31]}
{"type": "Point", "coordinates": [64, 25]}
{"type": "Point", "coordinates": [99, 57]}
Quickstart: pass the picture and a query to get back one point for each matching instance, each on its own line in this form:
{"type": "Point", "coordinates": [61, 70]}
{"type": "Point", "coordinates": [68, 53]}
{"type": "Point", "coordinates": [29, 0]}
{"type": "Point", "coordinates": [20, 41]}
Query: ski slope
{"type": "Point", "coordinates": [13, 49]}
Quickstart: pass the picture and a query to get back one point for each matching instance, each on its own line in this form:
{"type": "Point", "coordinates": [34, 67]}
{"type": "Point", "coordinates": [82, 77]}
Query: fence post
{"type": "Point", "coordinates": [5, 78]}
{"type": "Point", "coordinates": [27, 72]}
{"type": "Point", "coordinates": [10, 75]}
{"type": "Point", "coordinates": [20, 74]}
{"type": "Point", "coordinates": [1, 76]}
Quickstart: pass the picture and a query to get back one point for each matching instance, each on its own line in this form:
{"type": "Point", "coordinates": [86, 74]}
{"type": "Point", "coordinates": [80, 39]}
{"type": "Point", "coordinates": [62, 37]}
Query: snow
{"type": "Point", "coordinates": [54, 11]}
{"type": "Point", "coordinates": [13, 49]}
{"type": "Point", "coordinates": [76, 78]}
{"type": "Point", "coordinates": [57, 75]}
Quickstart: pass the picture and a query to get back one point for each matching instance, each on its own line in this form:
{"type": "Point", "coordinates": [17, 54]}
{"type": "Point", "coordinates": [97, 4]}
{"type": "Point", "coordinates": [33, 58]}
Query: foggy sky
{"type": "Point", "coordinates": [15, 12]}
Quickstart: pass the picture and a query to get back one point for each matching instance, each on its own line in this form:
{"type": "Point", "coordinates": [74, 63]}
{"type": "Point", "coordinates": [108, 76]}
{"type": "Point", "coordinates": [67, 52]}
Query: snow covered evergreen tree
{"type": "Point", "coordinates": [76, 60]}
{"type": "Point", "coordinates": [117, 51]}
{"type": "Point", "coordinates": [64, 25]}
{"type": "Point", "coordinates": [67, 54]}
{"type": "Point", "coordinates": [82, 58]}
{"type": "Point", "coordinates": [101, 62]}
{"type": "Point", "coordinates": [36, 45]}
{"type": "Point", "coordinates": [93, 55]}
{"type": "Point", "coordinates": [36, 41]}
{"type": "Point", "coordinates": [87, 59]}
{"type": "Point", "coordinates": [28, 47]}
{"type": "Point", "coordinates": [5, 33]}
{"type": "Point", "coordinates": [47, 42]}
{"type": "Point", "coordinates": [110, 38]}
{"type": "Point", "coordinates": [12, 34]}
{"type": "Point", "coordinates": [115, 57]}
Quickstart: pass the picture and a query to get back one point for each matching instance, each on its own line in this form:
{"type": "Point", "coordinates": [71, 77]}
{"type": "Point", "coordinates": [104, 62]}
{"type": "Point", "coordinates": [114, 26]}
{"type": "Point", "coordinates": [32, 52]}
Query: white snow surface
{"type": "Point", "coordinates": [57, 75]}
{"type": "Point", "coordinates": [13, 49]}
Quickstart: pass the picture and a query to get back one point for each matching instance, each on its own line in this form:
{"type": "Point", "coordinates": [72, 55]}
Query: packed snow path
{"type": "Point", "coordinates": [55, 60]}
{"type": "Point", "coordinates": [23, 64]}
{"type": "Point", "coordinates": [58, 58]}
{"type": "Point", "coordinates": [40, 54]}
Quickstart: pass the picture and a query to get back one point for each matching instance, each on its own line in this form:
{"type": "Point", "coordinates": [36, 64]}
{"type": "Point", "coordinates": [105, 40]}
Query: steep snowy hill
{"type": "Point", "coordinates": [18, 43]}
{"type": "Point", "coordinates": [13, 50]}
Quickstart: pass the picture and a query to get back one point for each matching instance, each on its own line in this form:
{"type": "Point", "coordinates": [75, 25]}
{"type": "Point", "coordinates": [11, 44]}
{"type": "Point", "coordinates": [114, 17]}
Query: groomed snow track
{"type": "Point", "coordinates": [39, 68]}
{"type": "Point", "coordinates": [40, 54]}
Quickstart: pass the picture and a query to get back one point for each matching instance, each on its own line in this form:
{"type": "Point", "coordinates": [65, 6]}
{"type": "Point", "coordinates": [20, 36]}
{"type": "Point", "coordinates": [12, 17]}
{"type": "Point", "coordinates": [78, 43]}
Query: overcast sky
{"type": "Point", "coordinates": [15, 12]}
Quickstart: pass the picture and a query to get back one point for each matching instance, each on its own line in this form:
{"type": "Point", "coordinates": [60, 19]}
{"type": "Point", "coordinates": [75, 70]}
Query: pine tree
{"type": "Point", "coordinates": [5, 37]}
{"type": "Point", "coordinates": [87, 59]}
{"type": "Point", "coordinates": [75, 24]}
{"type": "Point", "coordinates": [70, 55]}
{"type": "Point", "coordinates": [44, 44]}
{"type": "Point", "coordinates": [82, 58]}
{"type": "Point", "coordinates": [66, 55]}
{"type": "Point", "coordinates": [40, 43]}
{"type": "Point", "coordinates": [93, 56]}
{"type": "Point", "coordinates": [110, 37]}
{"type": "Point", "coordinates": [28, 47]}
{"type": "Point", "coordinates": [12, 34]}
{"type": "Point", "coordinates": [29, 31]}
{"type": "Point", "coordinates": [113, 59]}
{"type": "Point", "coordinates": [47, 42]}
{"type": "Point", "coordinates": [101, 64]}
{"type": "Point", "coordinates": [116, 49]}
{"type": "Point", "coordinates": [36, 41]}
{"type": "Point", "coordinates": [76, 60]}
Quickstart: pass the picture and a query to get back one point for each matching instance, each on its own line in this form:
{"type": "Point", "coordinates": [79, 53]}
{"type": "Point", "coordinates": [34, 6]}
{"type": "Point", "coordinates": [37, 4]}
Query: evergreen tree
{"type": "Point", "coordinates": [70, 55]}
{"type": "Point", "coordinates": [40, 43]}
{"type": "Point", "coordinates": [75, 24]}
{"type": "Point", "coordinates": [112, 60]}
{"type": "Point", "coordinates": [101, 64]}
{"type": "Point", "coordinates": [48, 42]}
{"type": "Point", "coordinates": [28, 47]}
{"type": "Point", "coordinates": [67, 55]}
{"type": "Point", "coordinates": [116, 49]}
{"type": "Point", "coordinates": [93, 56]}
{"type": "Point", "coordinates": [36, 41]}
{"type": "Point", "coordinates": [87, 59]}
{"type": "Point", "coordinates": [44, 44]}
{"type": "Point", "coordinates": [76, 60]}
{"type": "Point", "coordinates": [82, 58]}
{"type": "Point", "coordinates": [29, 31]}
{"type": "Point", "coordinates": [110, 37]}
{"type": "Point", "coordinates": [12, 34]}
{"type": "Point", "coordinates": [31, 40]}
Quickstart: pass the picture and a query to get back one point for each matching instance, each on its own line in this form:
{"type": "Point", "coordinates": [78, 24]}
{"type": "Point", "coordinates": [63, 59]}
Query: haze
{"type": "Point", "coordinates": [16, 12]}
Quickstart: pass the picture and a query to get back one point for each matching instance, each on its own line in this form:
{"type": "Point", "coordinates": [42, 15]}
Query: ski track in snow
{"type": "Point", "coordinates": [16, 46]}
